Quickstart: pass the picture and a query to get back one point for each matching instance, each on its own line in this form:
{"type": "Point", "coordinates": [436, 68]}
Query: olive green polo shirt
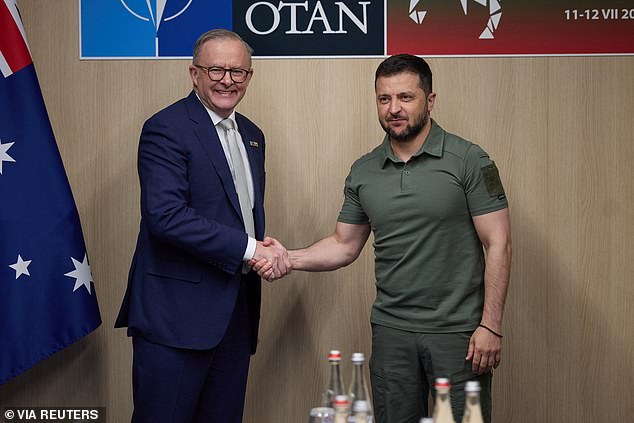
{"type": "Point", "coordinates": [429, 262]}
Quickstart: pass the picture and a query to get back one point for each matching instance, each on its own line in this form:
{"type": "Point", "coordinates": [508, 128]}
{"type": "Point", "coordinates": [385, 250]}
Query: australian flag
{"type": "Point", "coordinates": [47, 297]}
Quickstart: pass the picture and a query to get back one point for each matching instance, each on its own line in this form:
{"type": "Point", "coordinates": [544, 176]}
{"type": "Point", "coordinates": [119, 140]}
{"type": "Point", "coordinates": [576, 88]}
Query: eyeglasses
{"type": "Point", "coordinates": [216, 73]}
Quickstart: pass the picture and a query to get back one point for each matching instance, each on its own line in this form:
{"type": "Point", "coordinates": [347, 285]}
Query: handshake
{"type": "Point", "coordinates": [271, 260]}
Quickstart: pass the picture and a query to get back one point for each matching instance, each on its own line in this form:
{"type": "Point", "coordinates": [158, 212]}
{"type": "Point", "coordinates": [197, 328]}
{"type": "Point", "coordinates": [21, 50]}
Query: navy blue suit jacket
{"type": "Point", "coordinates": [186, 269]}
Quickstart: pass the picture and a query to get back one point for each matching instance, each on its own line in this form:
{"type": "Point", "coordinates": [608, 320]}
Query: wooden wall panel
{"type": "Point", "coordinates": [560, 130]}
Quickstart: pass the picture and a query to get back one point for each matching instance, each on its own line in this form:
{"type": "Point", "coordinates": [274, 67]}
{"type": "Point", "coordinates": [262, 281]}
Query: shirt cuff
{"type": "Point", "coordinates": [250, 250]}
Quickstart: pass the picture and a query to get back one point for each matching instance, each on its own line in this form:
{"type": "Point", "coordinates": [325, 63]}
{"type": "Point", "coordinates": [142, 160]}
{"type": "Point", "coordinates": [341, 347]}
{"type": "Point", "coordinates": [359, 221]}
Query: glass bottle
{"type": "Point", "coordinates": [358, 387]}
{"type": "Point", "coordinates": [472, 409]}
{"type": "Point", "coordinates": [335, 382]}
{"type": "Point", "coordinates": [442, 406]}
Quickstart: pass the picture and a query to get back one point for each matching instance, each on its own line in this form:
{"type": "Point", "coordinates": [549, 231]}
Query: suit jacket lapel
{"type": "Point", "coordinates": [208, 137]}
{"type": "Point", "coordinates": [255, 162]}
{"type": "Point", "coordinates": [253, 155]}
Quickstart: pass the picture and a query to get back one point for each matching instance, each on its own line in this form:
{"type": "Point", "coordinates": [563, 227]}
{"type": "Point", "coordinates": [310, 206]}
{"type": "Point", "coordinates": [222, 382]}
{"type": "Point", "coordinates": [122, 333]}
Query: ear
{"type": "Point", "coordinates": [249, 76]}
{"type": "Point", "coordinates": [431, 100]}
{"type": "Point", "coordinates": [193, 73]}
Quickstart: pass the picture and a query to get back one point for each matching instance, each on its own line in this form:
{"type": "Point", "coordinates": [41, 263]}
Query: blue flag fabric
{"type": "Point", "coordinates": [47, 297]}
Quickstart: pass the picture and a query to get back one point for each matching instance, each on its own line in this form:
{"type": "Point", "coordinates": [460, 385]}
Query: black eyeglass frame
{"type": "Point", "coordinates": [224, 72]}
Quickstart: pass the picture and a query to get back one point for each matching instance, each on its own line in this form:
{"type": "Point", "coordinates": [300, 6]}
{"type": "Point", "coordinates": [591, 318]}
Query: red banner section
{"type": "Point", "coordinates": [521, 27]}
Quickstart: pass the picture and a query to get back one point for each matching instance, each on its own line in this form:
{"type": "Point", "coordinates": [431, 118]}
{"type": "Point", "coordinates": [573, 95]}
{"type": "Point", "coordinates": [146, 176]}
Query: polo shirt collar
{"type": "Point", "coordinates": [433, 145]}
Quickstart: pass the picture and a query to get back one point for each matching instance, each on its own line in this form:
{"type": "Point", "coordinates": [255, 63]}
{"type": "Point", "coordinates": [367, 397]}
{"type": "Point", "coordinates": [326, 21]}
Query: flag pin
{"type": "Point", "coordinates": [254, 144]}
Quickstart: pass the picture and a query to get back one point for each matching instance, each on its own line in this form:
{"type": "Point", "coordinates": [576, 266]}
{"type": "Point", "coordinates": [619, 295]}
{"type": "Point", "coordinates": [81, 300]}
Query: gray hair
{"type": "Point", "coordinates": [217, 34]}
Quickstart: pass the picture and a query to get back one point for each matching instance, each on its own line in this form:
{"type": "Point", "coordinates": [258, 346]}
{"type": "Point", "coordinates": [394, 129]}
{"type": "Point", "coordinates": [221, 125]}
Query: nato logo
{"type": "Point", "coordinates": [147, 28]}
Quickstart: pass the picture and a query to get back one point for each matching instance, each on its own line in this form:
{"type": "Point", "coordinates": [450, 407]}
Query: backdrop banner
{"type": "Point", "coordinates": [360, 28]}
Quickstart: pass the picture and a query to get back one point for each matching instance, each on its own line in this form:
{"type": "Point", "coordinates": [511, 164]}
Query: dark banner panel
{"type": "Point", "coordinates": [322, 28]}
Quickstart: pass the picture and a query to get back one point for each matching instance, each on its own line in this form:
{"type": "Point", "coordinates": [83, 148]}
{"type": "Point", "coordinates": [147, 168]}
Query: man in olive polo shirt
{"type": "Point", "coordinates": [433, 201]}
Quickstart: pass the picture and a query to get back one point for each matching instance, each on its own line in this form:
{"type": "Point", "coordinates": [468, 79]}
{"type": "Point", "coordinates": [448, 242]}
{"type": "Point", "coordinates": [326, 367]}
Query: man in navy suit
{"type": "Point", "coordinates": [192, 304]}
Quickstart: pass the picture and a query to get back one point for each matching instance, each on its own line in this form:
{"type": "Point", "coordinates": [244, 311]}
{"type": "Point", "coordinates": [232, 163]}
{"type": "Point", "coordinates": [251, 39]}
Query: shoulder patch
{"type": "Point", "coordinates": [492, 180]}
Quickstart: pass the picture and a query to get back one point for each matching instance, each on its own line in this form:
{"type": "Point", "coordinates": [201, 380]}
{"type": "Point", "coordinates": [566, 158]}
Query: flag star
{"type": "Point", "coordinates": [21, 267]}
{"type": "Point", "coordinates": [4, 156]}
{"type": "Point", "coordinates": [81, 274]}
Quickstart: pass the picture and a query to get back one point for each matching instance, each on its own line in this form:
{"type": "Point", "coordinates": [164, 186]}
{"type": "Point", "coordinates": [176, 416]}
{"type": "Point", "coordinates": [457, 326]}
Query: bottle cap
{"type": "Point", "coordinates": [472, 386]}
{"type": "Point", "coordinates": [334, 355]}
{"type": "Point", "coordinates": [322, 412]}
{"type": "Point", "coordinates": [342, 401]}
{"type": "Point", "coordinates": [442, 382]}
{"type": "Point", "coordinates": [358, 357]}
{"type": "Point", "coordinates": [360, 406]}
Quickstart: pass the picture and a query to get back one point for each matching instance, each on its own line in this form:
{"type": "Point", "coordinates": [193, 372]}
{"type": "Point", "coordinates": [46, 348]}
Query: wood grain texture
{"type": "Point", "coordinates": [560, 130]}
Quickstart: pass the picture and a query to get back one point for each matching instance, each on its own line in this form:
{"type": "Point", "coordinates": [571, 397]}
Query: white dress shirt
{"type": "Point", "coordinates": [251, 244]}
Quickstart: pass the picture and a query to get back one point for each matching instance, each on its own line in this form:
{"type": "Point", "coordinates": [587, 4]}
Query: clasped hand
{"type": "Point", "coordinates": [270, 260]}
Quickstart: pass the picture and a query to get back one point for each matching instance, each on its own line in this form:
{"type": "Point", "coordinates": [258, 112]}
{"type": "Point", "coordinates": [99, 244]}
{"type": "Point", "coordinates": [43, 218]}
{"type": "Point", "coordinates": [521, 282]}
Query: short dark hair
{"type": "Point", "coordinates": [216, 34]}
{"type": "Point", "coordinates": [406, 63]}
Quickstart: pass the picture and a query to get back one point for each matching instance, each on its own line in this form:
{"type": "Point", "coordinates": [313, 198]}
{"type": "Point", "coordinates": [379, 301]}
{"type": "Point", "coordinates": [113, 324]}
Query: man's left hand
{"type": "Point", "coordinates": [485, 349]}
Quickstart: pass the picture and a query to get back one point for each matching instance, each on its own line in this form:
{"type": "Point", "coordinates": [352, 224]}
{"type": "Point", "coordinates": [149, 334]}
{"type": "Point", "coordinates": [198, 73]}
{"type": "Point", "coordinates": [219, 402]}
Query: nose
{"type": "Point", "coordinates": [226, 79]}
{"type": "Point", "coordinates": [394, 107]}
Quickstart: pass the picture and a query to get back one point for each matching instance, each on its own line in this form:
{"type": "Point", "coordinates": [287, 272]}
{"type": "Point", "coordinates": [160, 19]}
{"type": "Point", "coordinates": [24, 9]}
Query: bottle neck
{"type": "Point", "coordinates": [361, 417]}
{"type": "Point", "coordinates": [357, 385]}
{"type": "Point", "coordinates": [357, 371]}
{"type": "Point", "coordinates": [334, 370]}
{"type": "Point", "coordinates": [341, 415]}
{"type": "Point", "coordinates": [335, 383]}
{"type": "Point", "coordinates": [472, 411]}
{"type": "Point", "coordinates": [359, 390]}
{"type": "Point", "coordinates": [442, 397]}
{"type": "Point", "coordinates": [473, 400]}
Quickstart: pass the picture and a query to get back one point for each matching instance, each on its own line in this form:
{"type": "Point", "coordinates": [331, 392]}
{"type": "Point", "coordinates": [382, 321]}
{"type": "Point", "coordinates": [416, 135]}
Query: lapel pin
{"type": "Point", "coordinates": [254, 144]}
